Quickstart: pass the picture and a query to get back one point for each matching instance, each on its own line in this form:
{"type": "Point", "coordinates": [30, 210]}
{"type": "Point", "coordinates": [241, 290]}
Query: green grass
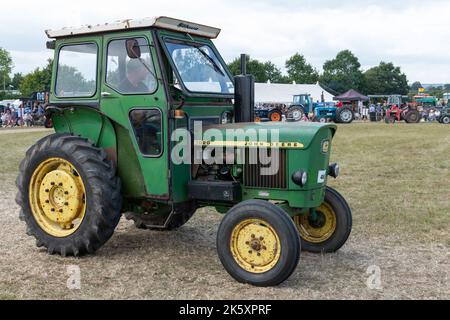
{"type": "Point", "coordinates": [396, 178]}
{"type": "Point", "coordinates": [14, 145]}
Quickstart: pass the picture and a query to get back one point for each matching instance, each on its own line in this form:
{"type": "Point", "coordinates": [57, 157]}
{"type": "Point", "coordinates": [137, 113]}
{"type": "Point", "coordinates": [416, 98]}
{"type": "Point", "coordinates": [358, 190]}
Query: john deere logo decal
{"type": "Point", "coordinates": [325, 146]}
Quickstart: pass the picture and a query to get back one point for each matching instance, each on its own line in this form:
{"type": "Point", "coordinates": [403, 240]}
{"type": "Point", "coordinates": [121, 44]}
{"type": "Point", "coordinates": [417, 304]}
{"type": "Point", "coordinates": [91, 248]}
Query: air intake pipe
{"type": "Point", "coordinates": [244, 94]}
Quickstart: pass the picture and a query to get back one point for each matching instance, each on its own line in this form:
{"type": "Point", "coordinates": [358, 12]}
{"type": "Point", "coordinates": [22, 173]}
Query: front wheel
{"type": "Point", "coordinates": [275, 116]}
{"type": "Point", "coordinates": [328, 228]}
{"type": "Point", "coordinates": [258, 243]}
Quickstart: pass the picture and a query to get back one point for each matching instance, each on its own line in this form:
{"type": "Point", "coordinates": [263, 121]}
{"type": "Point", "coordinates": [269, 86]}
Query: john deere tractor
{"type": "Point", "coordinates": [149, 122]}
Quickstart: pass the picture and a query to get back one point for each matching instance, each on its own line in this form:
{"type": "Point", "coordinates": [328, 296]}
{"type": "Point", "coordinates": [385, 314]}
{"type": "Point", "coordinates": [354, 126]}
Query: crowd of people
{"type": "Point", "coordinates": [22, 116]}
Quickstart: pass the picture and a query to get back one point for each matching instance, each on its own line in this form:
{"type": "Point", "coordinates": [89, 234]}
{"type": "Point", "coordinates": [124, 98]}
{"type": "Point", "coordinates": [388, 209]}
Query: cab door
{"type": "Point", "coordinates": [133, 96]}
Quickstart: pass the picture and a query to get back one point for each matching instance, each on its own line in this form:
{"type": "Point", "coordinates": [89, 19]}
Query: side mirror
{"type": "Point", "coordinates": [133, 48]}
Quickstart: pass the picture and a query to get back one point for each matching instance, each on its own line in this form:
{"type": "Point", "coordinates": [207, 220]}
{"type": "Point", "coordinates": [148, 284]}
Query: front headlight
{"type": "Point", "coordinates": [334, 170]}
{"type": "Point", "coordinates": [227, 117]}
{"type": "Point", "coordinates": [300, 178]}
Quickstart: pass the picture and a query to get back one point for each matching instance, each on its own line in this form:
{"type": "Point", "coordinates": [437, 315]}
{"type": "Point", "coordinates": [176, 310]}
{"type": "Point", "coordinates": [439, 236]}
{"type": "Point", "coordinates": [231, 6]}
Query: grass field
{"type": "Point", "coordinates": [395, 177]}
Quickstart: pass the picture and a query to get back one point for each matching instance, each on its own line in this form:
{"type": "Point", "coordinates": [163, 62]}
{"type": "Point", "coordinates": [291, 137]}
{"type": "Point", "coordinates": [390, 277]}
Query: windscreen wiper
{"type": "Point", "coordinates": [211, 61]}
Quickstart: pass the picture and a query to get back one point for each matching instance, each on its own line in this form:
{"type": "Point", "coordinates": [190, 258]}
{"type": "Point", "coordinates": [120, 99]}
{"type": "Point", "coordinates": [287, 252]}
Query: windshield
{"type": "Point", "coordinates": [199, 68]}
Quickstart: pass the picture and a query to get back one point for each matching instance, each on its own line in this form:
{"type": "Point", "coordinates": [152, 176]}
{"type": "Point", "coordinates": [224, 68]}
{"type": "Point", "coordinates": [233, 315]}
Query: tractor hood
{"type": "Point", "coordinates": [292, 135]}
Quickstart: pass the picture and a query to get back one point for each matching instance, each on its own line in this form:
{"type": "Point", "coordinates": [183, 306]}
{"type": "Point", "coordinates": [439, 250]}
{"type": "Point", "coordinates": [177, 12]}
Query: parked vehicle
{"type": "Point", "coordinates": [398, 110]}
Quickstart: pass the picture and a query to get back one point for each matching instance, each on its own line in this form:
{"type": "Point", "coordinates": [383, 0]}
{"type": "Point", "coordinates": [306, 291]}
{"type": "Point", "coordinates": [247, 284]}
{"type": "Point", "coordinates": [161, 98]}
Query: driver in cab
{"type": "Point", "coordinates": [134, 80]}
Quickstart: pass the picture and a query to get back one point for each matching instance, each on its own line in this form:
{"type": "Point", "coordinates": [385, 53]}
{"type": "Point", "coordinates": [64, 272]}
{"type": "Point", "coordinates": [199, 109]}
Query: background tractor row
{"type": "Point", "coordinates": [303, 106]}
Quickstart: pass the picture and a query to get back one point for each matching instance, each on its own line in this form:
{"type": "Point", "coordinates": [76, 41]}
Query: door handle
{"type": "Point", "coordinates": [105, 94]}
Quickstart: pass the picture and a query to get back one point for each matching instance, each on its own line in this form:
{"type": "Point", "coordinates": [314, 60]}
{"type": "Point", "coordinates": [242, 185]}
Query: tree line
{"type": "Point", "coordinates": [339, 74]}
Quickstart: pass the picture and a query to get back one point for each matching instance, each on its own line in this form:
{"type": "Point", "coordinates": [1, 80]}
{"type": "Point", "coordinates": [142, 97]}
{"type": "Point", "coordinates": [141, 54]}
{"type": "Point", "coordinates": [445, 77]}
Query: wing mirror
{"type": "Point", "coordinates": [133, 48]}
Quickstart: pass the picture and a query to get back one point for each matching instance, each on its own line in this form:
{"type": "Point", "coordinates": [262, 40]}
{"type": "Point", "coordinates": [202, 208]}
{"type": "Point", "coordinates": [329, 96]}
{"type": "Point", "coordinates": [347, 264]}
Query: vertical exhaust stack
{"type": "Point", "coordinates": [244, 94]}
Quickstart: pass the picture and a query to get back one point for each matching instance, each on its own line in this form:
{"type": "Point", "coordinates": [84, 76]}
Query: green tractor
{"type": "Point", "coordinates": [149, 122]}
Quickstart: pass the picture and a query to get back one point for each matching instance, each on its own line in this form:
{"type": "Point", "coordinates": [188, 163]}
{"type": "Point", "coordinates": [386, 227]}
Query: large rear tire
{"type": "Point", "coordinates": [412, 116]}
{"type": "Point", "coordinates": [258, 243]}
{"type": "Point", "coordinates": [345, 115]}
{"type": "Point", "coordinates": [332, 225]}
{"type": "Point", "coordinates": [296, 113]}
{"type": "Point", "coordinates": [69, 195]}
{"type": "Point", "coordinates": [445, 120]}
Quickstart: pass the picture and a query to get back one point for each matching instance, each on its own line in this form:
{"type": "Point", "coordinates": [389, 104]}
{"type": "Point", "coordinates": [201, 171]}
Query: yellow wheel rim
{"type": "Point", "coordinates": [255, 246]}
{"type": "Point", "coordinates": [57, 197]}
{"type": "Point", "coordinates": [320, 230]}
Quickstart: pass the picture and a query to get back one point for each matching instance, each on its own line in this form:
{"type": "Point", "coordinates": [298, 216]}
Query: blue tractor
{"type": "Point", "coordinates": [319, 111]}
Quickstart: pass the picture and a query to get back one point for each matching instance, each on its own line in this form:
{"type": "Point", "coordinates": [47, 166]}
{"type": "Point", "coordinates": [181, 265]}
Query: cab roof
{"type": "Point", "coordinates": [130, 24]}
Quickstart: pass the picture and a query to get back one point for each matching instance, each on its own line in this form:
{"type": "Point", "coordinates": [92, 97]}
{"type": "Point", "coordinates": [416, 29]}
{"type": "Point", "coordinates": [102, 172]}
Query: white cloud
{"type": "Point", "coordinates": [411, 34]}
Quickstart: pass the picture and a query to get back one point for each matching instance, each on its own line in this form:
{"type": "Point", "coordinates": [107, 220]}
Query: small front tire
{"type": "Point", "coordinates": [258, 243]}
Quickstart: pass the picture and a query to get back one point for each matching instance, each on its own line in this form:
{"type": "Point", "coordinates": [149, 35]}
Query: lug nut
{"type": "Point", "coordinates": [52, 209]}
{"type": "Point", "coordinates": [250, 252]}
{"type": "Point", "coordinates": [61, 210]}
{"type": "Point", "coordinates": [60, 184]}
{"type": "Point", "coordinates": [66, 203]}
{"type": "Point", "coordinates": [46, 190]}
{"type": "Point", "coordinates": [52, 183]}
{"type": "Point", "coordinates": [259, 254]}
{"type": "Point", "coordinates": [47, 201]}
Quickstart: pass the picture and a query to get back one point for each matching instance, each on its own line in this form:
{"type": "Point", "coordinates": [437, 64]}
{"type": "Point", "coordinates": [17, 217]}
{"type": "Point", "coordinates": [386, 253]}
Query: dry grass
{"type": "Point", "coordinates": [396, 178]}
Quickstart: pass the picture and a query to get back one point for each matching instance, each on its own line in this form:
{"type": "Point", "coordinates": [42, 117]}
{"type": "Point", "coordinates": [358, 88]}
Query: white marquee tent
{"type": "Point", "coordinates": [283, 93]}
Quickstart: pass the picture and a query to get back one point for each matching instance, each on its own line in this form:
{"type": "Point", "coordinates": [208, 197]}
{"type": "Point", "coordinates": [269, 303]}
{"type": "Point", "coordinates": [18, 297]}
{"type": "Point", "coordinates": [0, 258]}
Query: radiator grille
{"type": "Point", "coordinates": [252, 172]}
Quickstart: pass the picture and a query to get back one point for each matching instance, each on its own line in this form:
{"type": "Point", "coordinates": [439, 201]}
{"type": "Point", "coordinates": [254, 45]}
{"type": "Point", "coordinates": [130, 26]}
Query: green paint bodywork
{"type": "Point", "coordinates": [104, 119]}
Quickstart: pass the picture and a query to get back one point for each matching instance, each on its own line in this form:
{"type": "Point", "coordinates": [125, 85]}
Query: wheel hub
{"type": "Point", "coordinates": [60, 196]}
{"type": "Point", "coordinates": [255, 246]}
{"type": "Point", "coordinates": [319, 227]}
{"type": "Point", "coordinates": [57, 197]}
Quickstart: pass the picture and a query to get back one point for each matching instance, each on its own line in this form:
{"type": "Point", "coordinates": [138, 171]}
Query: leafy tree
{"type": "Point", "coordinates": [16, 81]}
{"type": "Point", "coordinates": [262, 71]}
{"type": "Point", "coordinates": [6, 65]}
{"type": "Point", "coordinates": [385, 79]}
{"type": "Point", "coordinates": [38, 80]}
{"type": "Point", "coordinates": [342, 73]}
{"type": "Point", "coordinates": [300, 71]}
{"type": "Point", "coordinates": [416, 86]}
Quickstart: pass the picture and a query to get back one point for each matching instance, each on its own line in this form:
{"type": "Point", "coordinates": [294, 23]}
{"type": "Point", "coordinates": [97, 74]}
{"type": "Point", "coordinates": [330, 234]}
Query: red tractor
{"type": "Point", "coordinates": [398, 110]}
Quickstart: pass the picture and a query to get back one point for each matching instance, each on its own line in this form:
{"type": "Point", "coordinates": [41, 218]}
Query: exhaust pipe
{"type": "Point", "coordinates": [244, 94]}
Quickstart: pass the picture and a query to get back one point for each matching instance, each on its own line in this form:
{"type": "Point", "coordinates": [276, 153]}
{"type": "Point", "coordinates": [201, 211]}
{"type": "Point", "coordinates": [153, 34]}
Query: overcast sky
{"type": "Point", "coordinates": [412, 34]}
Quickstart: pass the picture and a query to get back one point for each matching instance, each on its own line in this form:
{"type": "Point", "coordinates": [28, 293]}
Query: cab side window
{"type": "Point", "coordinates": [77, 71]}
{"type": "Point", "coordinates": [130, 75]}
{"type": "Point", "coordinates": [147, 128]}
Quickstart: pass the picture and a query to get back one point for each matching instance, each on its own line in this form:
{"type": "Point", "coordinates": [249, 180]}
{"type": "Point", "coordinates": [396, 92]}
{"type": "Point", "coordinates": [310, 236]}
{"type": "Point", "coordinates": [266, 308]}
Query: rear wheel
{"type": "Point", "coordinates": [275, 115]}
{"type": "Point", "coordinates": [344, 115]}
{"type": "Point", "coordinates": [296, 113]}
{"type": "Point", "coordinates": [412, 116]}
{"type": "Point", "coordinates": [258, 243]}
{"type": "Point", "coordinates": [330, 226]}
{"type": "Point", "coordinates": [445, 119]}
{"type": "Point", "coordinates": [69, 195]}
